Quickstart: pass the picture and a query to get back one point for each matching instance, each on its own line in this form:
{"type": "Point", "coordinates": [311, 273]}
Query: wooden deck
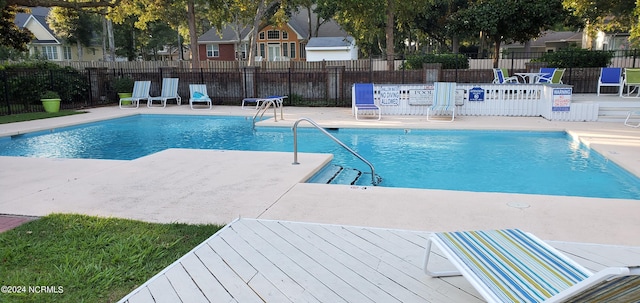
{"type": "Point", "coordinates": [278, 261]}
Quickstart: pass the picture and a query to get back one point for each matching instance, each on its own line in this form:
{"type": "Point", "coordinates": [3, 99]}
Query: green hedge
{"type": "Point", "coordinates": [28, 80]}
{"type": "Point", "coordinates": [576, 57]}
{"type": "Point", "coordinates": [448, 61]}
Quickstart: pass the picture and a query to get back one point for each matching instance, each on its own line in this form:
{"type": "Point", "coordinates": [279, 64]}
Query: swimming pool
{"type": "Point", "coordinates": [548, 163]}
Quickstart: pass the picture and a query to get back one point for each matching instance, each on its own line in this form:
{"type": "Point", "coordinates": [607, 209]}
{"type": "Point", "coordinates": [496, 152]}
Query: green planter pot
{"type": "Point", "coordinates": [51, 105]}
{"type": "Point", "coordinates": [125, 95]}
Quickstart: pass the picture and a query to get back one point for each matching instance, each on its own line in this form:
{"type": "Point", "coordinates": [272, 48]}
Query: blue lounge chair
{"type": "Point", "coordinates": [513, 266]}
{"type": "Point", "coordinates": [551, 75]}
{"type": "Point", "coordinates": [169, 91]}
{"type": "Point", "coordinates": [443, 100]}
{"type": "Point", "coordinates": [140, 92]}
{"type": "Point", "coordinates": [363, 99]}
{"type": "Point", "coordinates": [198, 94]}
{"type": "Point", "coordinates": [611, 76]}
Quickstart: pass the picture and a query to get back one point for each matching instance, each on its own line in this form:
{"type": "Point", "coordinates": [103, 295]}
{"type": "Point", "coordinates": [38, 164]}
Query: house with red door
{"type": "Point", "coordinates": [286, 43]}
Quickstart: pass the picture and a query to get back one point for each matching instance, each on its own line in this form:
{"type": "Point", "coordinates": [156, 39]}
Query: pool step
{"type": "Point", "coordinates": [336, 174]}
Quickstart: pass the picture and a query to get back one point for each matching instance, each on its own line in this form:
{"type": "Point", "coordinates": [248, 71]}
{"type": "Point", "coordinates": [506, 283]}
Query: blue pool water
{"type": "Point", "coordinates": [548, 163]}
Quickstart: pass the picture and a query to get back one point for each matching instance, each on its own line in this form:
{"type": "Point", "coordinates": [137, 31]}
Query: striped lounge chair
{"type": "Point", "coordinates": [140, 92]}
{"type": "Point", "coordinates": [169, 91]}
{"type": "Point", "coordinates": [443, 101]}
{"type": "Point", "coordinates": [513, 266]}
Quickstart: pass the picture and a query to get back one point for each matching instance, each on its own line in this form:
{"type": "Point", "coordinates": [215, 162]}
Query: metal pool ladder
{"type": "Point", "coordinates": [263, 109]}
{"type": "Point", "coordinates": [375, 180]}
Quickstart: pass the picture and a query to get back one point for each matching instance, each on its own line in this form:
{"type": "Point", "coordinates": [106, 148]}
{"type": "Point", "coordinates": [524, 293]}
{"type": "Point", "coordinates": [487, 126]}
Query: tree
{"type": "Point", "coordinates": [73, 25]}
{"type": "Point", "coordinates": [508, 20]}
{"type": "Point", "coordinates": [12, 36]}
{"type": "Point", "coordinates": [605, 15]}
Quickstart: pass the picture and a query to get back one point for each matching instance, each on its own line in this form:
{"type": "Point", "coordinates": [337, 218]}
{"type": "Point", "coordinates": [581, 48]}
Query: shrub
{"type": "Point", "coordinates": [448, 61]}
{"type": "Point", "coordinates": [123, 84]}
{"type": "Point", "coordinates": [576, 57]}
{"type": "Point", "coordinates": [50, 95]}
{"type": "Point", "coordinates": [31, 79]}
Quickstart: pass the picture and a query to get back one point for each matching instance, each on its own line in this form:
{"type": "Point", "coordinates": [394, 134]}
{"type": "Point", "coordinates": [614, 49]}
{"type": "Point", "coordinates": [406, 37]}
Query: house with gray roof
{"type": "Point", "coordinates": [284, 43]}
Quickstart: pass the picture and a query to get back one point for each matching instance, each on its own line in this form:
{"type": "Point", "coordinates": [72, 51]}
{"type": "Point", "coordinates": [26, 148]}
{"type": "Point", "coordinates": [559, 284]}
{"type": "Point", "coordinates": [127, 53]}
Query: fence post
{"type": "Point", "coordinates": [431, 72]}
{"type": "Point", "coordinates": [249, 81]}
{"type": "Point", "coordinates": [5, 83]}
{"type": "Point", "coordinates": [334, 78]}
{"type": "Point", "coordinates": [97, 83]}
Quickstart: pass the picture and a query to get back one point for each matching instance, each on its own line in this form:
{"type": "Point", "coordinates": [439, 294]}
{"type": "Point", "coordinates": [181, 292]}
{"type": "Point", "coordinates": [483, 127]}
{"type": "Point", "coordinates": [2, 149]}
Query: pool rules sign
{"type": "Point", "coordinates": [561, 100]}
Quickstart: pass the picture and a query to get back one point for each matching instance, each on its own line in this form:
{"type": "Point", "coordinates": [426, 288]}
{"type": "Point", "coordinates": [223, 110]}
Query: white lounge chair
{"type": "Point", "coordinates": [140, 92]}
{"type": "Point", "coordinates": [198, 94]}
{"type": "Point", "coordinates": [363, 99]}
{"type": "Point", "coordinates": [169, 91]}
{"type": "Point", "coordinates": [610, 76]}
{"type": "Point", "coordinates": [444, 98]}
{"type": "Point", "coordinates": [513, 266]}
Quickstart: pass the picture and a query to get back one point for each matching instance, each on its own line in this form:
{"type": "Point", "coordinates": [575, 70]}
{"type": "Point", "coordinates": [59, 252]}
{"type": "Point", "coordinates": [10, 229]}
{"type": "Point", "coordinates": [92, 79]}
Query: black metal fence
{"type": "Point", "coordinates": [306, 83]}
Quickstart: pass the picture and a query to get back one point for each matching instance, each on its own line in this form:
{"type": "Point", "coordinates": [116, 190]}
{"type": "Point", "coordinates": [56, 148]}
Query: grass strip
{"type": "Point", "coordinates": [82, 258]}
{"type": "Point", "coordinates": [36, 116]}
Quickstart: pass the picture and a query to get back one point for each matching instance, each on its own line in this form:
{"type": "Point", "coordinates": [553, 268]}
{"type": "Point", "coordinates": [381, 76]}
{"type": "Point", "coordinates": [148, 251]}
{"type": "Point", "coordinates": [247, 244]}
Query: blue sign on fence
{"type": "Point", "coordinates": [476, 94]}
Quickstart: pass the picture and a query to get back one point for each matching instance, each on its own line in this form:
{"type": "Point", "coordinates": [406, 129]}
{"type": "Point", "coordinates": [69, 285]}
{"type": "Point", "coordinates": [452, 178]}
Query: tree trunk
{"type": "Point", "coordinates": [112, 42]}
{"type": "Point", "coordinates": [389, 35]}
{"type": "Point", "coordinates": [193, 34]}
{"type": "Point", "coordinates": [496, 51]}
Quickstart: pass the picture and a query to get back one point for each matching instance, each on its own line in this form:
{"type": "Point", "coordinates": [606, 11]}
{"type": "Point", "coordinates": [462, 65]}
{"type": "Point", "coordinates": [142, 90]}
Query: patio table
{"type": "Point", "coordinates": [529, 77]}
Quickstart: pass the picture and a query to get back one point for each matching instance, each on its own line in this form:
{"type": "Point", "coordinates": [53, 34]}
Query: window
{"type": "Point", "coordinates": [66, 52]}
{"type": "Point", "coordinates": [50, 52]}
{"type": "Point", "coordinates": [242, 51]}
{"type": "Point", "coordinates": [261, 36]}
{"type": "Point", "coordinates": [262, 52]}
{"type": "Point", "coordinates": [273, 35]}
{"type": "Point", "coordinates": [293, 50]}
{"type": "Point", "coordinates": [213, 50]}
{"type": "Point", "coordinates": [303, 54]}
{"type": "Point", "coordinates": [285, 35]}
{"type": "Point", "coordinates": [285, 50]}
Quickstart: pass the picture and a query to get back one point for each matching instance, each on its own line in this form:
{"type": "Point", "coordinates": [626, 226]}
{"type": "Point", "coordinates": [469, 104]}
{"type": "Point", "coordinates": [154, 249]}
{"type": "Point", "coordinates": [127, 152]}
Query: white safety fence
{"type": "Point", "coordinates": [552, 102]}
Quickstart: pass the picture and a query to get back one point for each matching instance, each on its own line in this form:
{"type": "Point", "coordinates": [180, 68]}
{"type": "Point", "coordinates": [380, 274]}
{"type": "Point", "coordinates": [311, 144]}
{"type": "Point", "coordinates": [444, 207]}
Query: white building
{"type": "Point", "coordinates": [331, 49]}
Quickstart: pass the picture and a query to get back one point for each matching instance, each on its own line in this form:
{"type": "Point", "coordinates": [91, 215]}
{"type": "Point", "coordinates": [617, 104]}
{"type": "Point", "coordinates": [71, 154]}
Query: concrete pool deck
{"type": "Point", "coordinates": [207, 186]}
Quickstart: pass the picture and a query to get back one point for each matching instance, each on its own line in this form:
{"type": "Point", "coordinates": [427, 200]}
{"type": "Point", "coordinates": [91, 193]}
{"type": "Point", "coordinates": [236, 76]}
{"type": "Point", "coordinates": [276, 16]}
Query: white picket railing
{"type": "Point", "coordinates": [524, 100]}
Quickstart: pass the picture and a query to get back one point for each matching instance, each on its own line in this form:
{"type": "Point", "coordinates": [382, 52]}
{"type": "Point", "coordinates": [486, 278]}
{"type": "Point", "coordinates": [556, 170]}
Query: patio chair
{"type": "Point", "coordinates": [443, 100]}
{"type": "Point", "coordinates": [198, 94]}
{"type": "Point", "coordinates": [363, 99]}
{"type": "Point", "coordinates": [632, 119]}
{"type": "Point", "coordinates": [169, 91]}
{"type": "Point", "coordinates": [631, 82]}
{"type": "Point", "coordinates": [551, 75]}
{"type": "Point", "coordinates": [140, 92]}
{"type": "Point", "coordinates": [513, 266]}
{"type": "Point", "coordinates": [610, 76]}
{"type": "Point", "coordinates": [501, 76]}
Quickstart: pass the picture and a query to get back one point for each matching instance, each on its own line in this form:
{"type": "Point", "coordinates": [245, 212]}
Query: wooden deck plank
{"type": "Point", "coordinates": [277, 261]}
{"type": "Point", "coordinates": [309, 276]}
{"type": "Point", "coordinates": [236, 287]}
{"type": "Point", "coordinates": [206, 281]}
{"type": "Point", "coordinates": [162, 291]}
{"type": "Point", "coordinates": [143, 296]}
{"type": "Point", "coordinates": [356, 276]}
{"type": "Point", "coordinates": [368, 270]}
{"type": "Point", "coordinates": [265, 259]}
{"type": "Point", "coordinates": [244, 270]}
{"type": "Point", "coordinates": [415, 280]}
{"type": "Point", "coordinates": [186, 289]}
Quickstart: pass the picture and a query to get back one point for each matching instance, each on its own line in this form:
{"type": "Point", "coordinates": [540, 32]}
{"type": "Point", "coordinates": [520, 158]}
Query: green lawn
{"type": "Point", "coordinates": [89, 259]}
{"type": "Point", "coordinates": [35, 116]}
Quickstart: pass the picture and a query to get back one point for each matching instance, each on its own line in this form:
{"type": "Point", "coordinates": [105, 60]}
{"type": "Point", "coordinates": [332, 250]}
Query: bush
{"type": "Point", "coordinates": [29, 80]}
{"type": "Point", "coordinates": [123, 84]}
{"type": "Point", "coordinates": [576, 57]}
{"type": "Point", "coordinates": [448, 61]}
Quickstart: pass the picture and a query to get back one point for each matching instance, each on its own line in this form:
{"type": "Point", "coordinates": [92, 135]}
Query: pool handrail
{"type": "Point", "coordinates": [374, 180]}
{"type": "Point", "coordinates": [264, 106]}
